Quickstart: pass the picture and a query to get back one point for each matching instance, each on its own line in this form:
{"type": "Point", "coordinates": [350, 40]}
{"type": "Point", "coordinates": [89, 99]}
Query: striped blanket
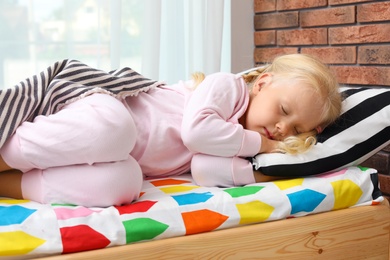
{"type": "Point", "coordinates": [63, 82]}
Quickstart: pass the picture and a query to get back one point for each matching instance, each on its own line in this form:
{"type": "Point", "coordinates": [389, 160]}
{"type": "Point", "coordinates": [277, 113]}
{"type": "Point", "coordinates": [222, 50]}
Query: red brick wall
{"type": "Point", "coordinates": [352, 36]}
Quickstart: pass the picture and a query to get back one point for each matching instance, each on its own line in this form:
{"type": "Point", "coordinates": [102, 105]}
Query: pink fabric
{"type": "Point", "coordinates": [100, 184]}
{"type": "Point", "coordinates": [97, 128]}
{"type": "Point", "coordinates": [161, 129]}
{"type": "Point", "coordinates": [206, 119]}
{"type": "Point", "coordinates": [158, 115]}
{"type": "Point", "coordinates": [210, 122]}
{"type": "Point", "coordinates": [210, 171]}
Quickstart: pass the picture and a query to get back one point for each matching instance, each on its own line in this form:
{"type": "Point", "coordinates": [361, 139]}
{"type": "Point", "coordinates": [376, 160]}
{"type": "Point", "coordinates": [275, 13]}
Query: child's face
{"type": "Point", "coordinates": [281, 108]}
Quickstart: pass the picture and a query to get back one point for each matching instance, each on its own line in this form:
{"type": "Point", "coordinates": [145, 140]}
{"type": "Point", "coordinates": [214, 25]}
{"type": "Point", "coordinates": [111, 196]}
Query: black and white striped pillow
{"type": "Point", "coordinates": [362, 130]}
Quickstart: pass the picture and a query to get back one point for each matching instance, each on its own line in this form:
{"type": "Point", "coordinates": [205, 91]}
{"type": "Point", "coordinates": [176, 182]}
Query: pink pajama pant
{"type": "Point", "coordinates": [80, 155]}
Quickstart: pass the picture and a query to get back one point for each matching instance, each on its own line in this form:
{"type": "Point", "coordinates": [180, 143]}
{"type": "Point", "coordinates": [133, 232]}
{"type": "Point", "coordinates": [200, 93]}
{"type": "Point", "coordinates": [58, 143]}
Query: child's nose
{"type": "Point", "coordinates": [285, 129]}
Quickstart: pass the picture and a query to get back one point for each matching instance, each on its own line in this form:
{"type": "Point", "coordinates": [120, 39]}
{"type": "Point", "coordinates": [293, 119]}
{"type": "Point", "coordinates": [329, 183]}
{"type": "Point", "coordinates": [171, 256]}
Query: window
{"type": "Point", "coordinates": [162, 39]}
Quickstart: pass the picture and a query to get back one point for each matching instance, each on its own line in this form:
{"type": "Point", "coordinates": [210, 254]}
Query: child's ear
{"type": "Point", "coordinates": [261, 80]}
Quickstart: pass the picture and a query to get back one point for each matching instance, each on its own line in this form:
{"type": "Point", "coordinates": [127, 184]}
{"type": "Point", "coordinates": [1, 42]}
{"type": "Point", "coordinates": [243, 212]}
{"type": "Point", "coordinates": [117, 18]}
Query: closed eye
{"type": "Point", "coordinates": [284, 110]}
{"type": "Point", "coordinates": [286, 113]}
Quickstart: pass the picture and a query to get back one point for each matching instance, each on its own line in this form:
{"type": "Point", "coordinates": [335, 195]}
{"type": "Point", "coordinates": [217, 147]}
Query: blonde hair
{"type": "Point", "coordinates": [314, 74]}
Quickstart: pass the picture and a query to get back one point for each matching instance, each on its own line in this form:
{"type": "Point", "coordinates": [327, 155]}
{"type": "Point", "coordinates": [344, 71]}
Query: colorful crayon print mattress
{"type": "Point", "coordinates": [175, 207]}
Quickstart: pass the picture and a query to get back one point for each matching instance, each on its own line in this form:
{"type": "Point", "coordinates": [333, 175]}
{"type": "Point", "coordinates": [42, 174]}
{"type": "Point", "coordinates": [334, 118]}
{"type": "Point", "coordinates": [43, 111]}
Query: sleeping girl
{"type": "Point", "coordinates": [96, 151]}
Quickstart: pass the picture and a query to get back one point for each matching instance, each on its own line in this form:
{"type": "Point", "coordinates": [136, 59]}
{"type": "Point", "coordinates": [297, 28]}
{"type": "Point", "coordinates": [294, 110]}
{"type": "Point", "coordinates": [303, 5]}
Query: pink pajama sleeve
{"type": "Point", "coordinates": [211, 171]}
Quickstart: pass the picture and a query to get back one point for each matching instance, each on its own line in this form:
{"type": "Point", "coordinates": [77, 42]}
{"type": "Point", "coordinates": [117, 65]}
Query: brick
{"type": "Point", "coordinates": [328, 16]}
{"type": "Point", "coordinates": [263, 38]}
{"type": "Point", "coordinates": [384, 183]}
{"type": "Point", "coordinates": [261, 6]}
{"type": "Point", "coordinates": [374, 54]}
{"type": "Point", "coordinates": [289, 5]}
{"type": "Point", "coordinates": [373, 12]}
{"type": "Point", "coordinates": [363, 75]}
{"type": "Point", "coordinates": [276, 20]}
{"type": "Point", "coordinates": [341, 2]}
{"type": "Point", "coordinates": [302, 37]}
{"type": "Point", "coordinates": [333, 55]}
{"type": "Point", "coordinates": [360, 34]}
{"type": "Point", "coordinates": [379, 161]}
{"type": "Point", "coordinates": [266, 55]}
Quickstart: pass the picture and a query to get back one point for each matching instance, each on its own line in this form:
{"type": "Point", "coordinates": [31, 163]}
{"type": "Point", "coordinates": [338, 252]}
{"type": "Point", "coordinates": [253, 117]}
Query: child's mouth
{"type": "Point", "coordinates": [268, 134]}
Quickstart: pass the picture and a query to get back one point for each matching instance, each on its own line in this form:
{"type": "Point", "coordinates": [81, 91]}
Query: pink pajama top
{"type": "Point", "coordinates": [179, 129]}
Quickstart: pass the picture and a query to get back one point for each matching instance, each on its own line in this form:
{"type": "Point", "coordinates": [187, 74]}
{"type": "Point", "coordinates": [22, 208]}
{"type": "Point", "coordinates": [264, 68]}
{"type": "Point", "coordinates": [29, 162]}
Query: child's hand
{"type": "Point", "coordinates": [268, 145]}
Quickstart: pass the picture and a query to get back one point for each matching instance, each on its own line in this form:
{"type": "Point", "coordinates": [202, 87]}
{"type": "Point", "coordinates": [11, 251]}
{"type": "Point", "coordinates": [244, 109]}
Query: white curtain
{"type": "Point", "coordinates": [181, 37]}
{"type": "Point", "coordinates": [162, 39]}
